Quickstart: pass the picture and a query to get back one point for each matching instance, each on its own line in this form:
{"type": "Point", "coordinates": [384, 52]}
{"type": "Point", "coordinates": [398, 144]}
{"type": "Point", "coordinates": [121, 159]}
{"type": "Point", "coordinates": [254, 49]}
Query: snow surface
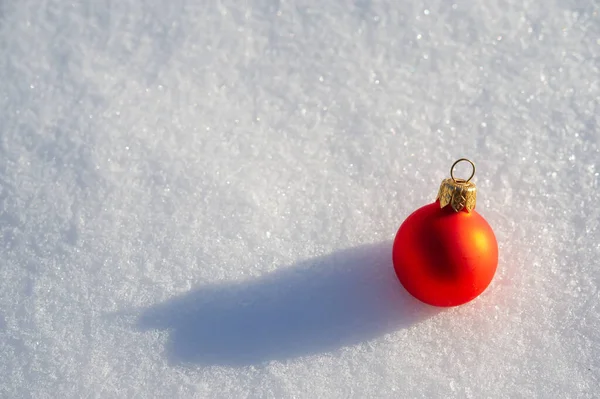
{"type": "Point", "coordinates": [198, 198]}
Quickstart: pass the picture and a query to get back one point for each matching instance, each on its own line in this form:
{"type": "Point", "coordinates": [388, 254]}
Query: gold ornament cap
{"type": "Point", "coordinates": [458, 193]}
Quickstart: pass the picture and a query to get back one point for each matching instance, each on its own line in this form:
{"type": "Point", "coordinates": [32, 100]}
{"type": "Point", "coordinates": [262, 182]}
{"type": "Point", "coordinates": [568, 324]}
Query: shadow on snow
{"type": "Point", "coordinates": [314, 306]}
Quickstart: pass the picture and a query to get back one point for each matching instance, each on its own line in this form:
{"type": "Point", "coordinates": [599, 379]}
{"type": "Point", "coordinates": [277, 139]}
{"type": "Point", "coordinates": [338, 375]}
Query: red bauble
{"type": "Point", "coordinates": [444, 256]}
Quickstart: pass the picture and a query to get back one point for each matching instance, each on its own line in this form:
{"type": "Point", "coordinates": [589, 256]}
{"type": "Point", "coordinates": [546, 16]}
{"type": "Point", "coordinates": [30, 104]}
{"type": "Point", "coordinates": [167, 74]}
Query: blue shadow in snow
{"type": "Point", "coordinates": [315, 306]}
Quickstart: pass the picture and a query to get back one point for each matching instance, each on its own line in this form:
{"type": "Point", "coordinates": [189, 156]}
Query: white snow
{"type": "Point", "coordinates": [198, 198]}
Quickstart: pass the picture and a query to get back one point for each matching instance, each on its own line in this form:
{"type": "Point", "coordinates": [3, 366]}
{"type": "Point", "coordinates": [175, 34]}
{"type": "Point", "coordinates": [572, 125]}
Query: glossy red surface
{"type": "Point", "coordinates": [445, 258]}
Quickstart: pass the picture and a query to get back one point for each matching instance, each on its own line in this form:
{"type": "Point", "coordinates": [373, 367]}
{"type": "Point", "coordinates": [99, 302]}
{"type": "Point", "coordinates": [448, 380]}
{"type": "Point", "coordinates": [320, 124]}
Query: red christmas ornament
{"type": "Point", "coordinates": [445, 253]}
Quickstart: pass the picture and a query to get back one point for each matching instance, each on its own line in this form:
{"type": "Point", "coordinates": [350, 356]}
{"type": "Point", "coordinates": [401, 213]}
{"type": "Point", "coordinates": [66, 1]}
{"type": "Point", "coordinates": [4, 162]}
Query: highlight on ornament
{"type": "Point", "coordinates": [445, 253]}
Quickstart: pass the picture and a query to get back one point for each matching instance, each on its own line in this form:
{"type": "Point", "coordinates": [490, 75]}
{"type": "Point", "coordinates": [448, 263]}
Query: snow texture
{"type": "Point", "coordinates": [198, 198]}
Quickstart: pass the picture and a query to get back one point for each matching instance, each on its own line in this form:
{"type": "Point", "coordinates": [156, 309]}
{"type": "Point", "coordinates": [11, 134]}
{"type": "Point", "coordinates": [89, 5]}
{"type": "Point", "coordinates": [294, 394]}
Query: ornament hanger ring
{"type": "Point", "coordinates": [455, 163]}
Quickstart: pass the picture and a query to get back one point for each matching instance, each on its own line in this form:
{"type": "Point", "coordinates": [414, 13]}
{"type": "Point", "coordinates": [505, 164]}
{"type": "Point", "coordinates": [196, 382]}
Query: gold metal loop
{"type": "Point", "coordinates": [460, 160]}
